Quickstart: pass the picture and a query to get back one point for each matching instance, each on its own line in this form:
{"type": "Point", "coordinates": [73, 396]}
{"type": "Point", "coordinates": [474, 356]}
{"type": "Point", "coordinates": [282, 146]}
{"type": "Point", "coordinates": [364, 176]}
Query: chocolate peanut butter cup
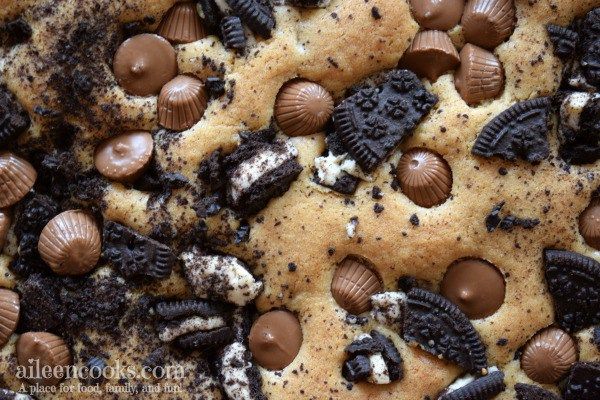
{"type": "Point", "coordinates": [5, 221]}
{"type": "Point", "coordinates": [9, 314]}
{"type": "Point", "coordinates": [275, 339]}
{"type": "Point", "coordinates": [548, 356]}
{"type": "Point", "coordinates": [353, 284]}
{"type": "Point", "coordinates": [48, 351]}
{"type": "Point", "coordinates": [487, 23]}
{"type": "Point", "coordinates": [589, 224]}
{"type": "Point", "coordinates": [144, 63]}
{"type": "Point", "coordinates": [437, 14]}
{"type": "Point", "coordinates": [181, 103]}
{"type": "Point", "coordinates": [480, 76]}
{"type": "Point", "coordinates": [430, 55]}
{"type": "Point", "coordinates": [182, 24]}
{"type": "Point", "coordinates": [425, 177]}
{"type": "Point", "coordinates": [17, 177]}
{"type": "Point", "coordinates": [124, 157]}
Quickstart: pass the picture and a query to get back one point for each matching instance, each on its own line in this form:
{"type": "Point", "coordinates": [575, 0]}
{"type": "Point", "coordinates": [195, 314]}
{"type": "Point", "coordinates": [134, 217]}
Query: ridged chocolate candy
{"type": "Point", "coordinates": [49, 350]}
{"type": "Point", "coordinates": [480, 76]}
{"type": "Point", "coordinates": [424, 177]}
{"type": "Point", "coordinates": [182, 24]}
{"type": "Point", "coordinates": [487, 23]}
{"type": "Point", "coordinates": [302, 108]}
{"type": "Point", "coordinates": [475, 286]}
{"type": "Point", "coordinates": [70, 243]}
{"type": "Point", "coordinates": [437, 14]}
{"type": "Point", "coordinates": [5, 221]}
{"type": "Point", "coordinates": [589, 224]}
{"type": "Point", "coordinates": [17, 177]}
{"type": "Point", "coordinates": [275, 339]}
{"type": "Point", "coordinates": [124, 157]}
{"type": "Point", "coordinates": [9, 314]}
{"type": "Point", "coordinates": [430, 54]}
{"type": "Point", "coordinates": [144, 63]}
{"type": "Point", "coordinates": [548, 356]}
{"type": "Point", "coordinates": [181, 103]}
{"type": "Point", "coordinates": [353, 284]}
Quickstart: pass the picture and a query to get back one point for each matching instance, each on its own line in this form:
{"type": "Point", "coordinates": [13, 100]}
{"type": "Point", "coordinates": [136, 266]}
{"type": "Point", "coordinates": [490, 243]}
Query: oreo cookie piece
{"type": "Point", "coordinates": [258, 172]}
{"type": "Point", "coordinates": [310, 3]}
{"type": "Point", "coordinates": [483, 388]}
{"type": "Point", "coordinates": [563, 39]}
{"type": "Point", "coordinates": [215, 87]}
{"type": "Point", "coordinates": [95, 367]}
{"type": "Point", "coordinates": [205, 340]}
{"type": "Point", "coordinates": [15, 32]}
{"type": "Point", "coordinates": [6, 394]}
{"type": "Point", "coordinates": [14, 120]}
{"type": "Point", "coordinates": [442, 329]}
{"type": "Point", "coordinates": [376, 118]}
{"type": "Point", "coordinates": [357, 368]}
{"type": "Point", "coordinates": [508, 222]}
{"type": "Point", "coordinates": [171, 310]}
{"type": "Point", "coordinates": [222, 278]}
{"type": "Point", "coordinates": [134, 254]}
{"type": "Point", "coordinates": [532, 392]}
{"type": "Point", "coordinates": [596, 337]}
{"type": "Point", "coordinates": [239, 377]}
{"type": "Point", "coordinates": [579, 130]}
{"type": "Point", "coordinates": [337, 172]}
{"type": "Point", "coordinates": [233, 33]}
{"type": "Point", "coordinates": [583, 382]}
{"type": "Point", "coordinates": [364, 345]}
{"type": "Point", "coordinates": [211, 14]}
{"type": "Point", "coordinates": [574, 283]}
{"type": "Point", "coordinates": [520, 131]}
{"type": "Point", "coordinates": [390, 355]}
{"type": "Point", "coordinates": [257, 14]}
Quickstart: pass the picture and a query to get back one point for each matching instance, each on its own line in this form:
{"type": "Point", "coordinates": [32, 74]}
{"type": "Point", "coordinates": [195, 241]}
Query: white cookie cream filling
{"type": "Point", "coordinates": [251, 170]}
{"type": "Point", "coordinates": [194, 324]}
{"type": "Point", "coordinates": [223, 6]}
{"type": "Point", "coordinates": [380, 374]}
{"type": "Point", "coordinates": [332, 168]}
{"type": "Point", "coordinates": [572, 106]}
{"type": "Point", "coordinates": [233, 370]}
{"type": "Point", "coordinates": [351, 227]}
{"type": "Point", "coordinates": [387, 307]}
{"type": "Point", "coordinates": [222, 277]}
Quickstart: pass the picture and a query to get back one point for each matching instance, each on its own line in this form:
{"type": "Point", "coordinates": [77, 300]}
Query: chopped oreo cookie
{"type": "Point", "coordinates": [442, 329]}
{"type": "Point", "coordinates": [258, 171]}
{"type": "Point", "coordinates": [574, 283]}
{"type": "Point", "coordinates": [215, 87]}
{"type": "Point", "coordinates": [376, 118]}
{"type": "Point", "coordinates": [520, 131]}
{"type": "Point", "coordinates": [579, 130]}
{"type": "Point", "coordinates": [134, 254]}
{"type": "Point", "coordinates": [222, 278]}
{"type": "Point", "coordinates": [373, 357]}
{"type": "Point", "coordinates": [6, 394]}
{"type": "Point", "coordinates": [240, 378]}
{"type": "Point", "coordinates": [483, 388]}
{"type": "Point", "coordinates": [205, 340]}
{"type": "Point", "coordinates": [257, 14]}
{"type": "Point", "coordinates": [95, 367]}
{"type": "Point", "coordinates": [14, 120]}
{"type": "Point", "coordinates": [508, 222]}
{"type": "Point", "coordinates": [170, 310]}
{"type": "Point", "coordinates": [310, 3]}
{"type": "Point", "coordinates": [583, 382]}
{"type": "Point", "coordinates": [233, 33]}
{"type": "Point", "coordinates": [211, 14]}
{"type": "Point", "coordinates": [563, 39]}
{"type": "Point", "coordinates": [533, 392]}
{"type": "Point", "coordinates": [339, 173]}
{"type": "Point", "coordinates": [15, 32]}
{"type": "Point", "coordinates": [596, 337]}
{"type": "Point", "coordinates": [388, 308]}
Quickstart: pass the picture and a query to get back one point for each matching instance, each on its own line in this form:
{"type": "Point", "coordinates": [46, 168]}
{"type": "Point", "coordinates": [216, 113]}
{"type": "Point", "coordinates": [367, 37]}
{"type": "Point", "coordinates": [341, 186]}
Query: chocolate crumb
{"type": "Point", "coordinates": [375, 13]}
{"type": "Point", "coordinates": [502, 342]}
{"type": "Point", "coordinates": [376, 193]}
{"type": "Point", "coordinates": [292, 267]}
{"type": "Point", "coordinates": [378, 208]}
{"type": "Point", "coordinates": [414, 220]}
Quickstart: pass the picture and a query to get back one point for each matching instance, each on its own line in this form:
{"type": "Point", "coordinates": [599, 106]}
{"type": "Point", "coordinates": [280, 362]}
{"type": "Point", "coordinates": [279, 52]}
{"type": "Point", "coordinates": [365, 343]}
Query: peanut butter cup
{"type": "Point", "coordinates": [424, 177]}
{"type": "Point", "coordinates": [480, 76]}
{"type": "Point", "coordinates": [47, 350]}
{"type": "Point", "coordinates": [475, 286]}
{"type": "Point", "coordinates": [182, 24]}
{"type": "Point", "coordinates": [548, 356]}
{"type": "Point", "coordinates": [17, 177]}
{"type": "Point", "coordinates": [487, 23]}
{"type": "Point", "coordinates": [144, 63]}
{"type": "Point", "coordinates": [430, 54]}
{"type": "Point", "coordinates": [5, 221]}
{"type": "Point", "coordinates": [353, 284]}
{"type": "Point", "coordinates": [124, 157]}
{"type": "Point", "coordinates": [589, 224]}
{"type": "Point", "coordinates": [181, 103]}
{"type": "Point", "coordinates": [9, 314]}
{"type": "Point", "coordinates": [70, 243]}
{"type": "Point", "coordinates": [302, 108]}
{"type": "Point", "coordinates": [275, 339]}
{"type": "Point", "coordinates": [437, 14]}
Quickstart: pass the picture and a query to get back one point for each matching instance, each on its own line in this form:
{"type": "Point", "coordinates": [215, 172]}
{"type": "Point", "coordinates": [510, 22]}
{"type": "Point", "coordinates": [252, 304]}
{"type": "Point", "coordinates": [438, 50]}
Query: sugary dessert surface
{"type": "Point", "coordinates": [62, 75]}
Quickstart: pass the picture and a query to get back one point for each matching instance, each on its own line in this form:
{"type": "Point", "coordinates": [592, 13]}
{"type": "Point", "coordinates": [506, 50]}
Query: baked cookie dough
{"type": "Point", "coordinates": [345, 199]}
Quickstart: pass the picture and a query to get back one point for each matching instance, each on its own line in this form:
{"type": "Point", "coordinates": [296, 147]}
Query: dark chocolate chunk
{"type": "Point", "coordinates": [390, 354]}
{"type": "Point", "coordinates": [375, 119]}
{"type": "Point", "coordinates": [442, 329]}
{"type": "Point", "coordinates": [170, 310]}
{"type": "Point", "coordinates": [134, 254]}
{"type": "Point", "coordinates": [233, 33]}
{"type": "Point", "coordinates": [215, 87]}
{"type": "Point", "coordinates": [15, 32]}
{"type": "Point", "coordinates": [365, 346]}
{"type": "Point", "coordinates": [206, 340]}
{"type": "Point", "coordinates": [14, 120]}
{"type": "Point", "coordinates": [563, 39]}
{"type": "Point", "coordinates": [583, 382]}
{"type": "Point", "coordinates": [256, 14]}
{"type": "Point", "coordinates": [483, 388]}
{"type": "Point", "coordinates": [574, 283]}
{"type": "Point", "coordinates": [520, 131]}
{"type": "Point", "coordinates": [356, 369]}
{"type": "Point", "coordinates": [533, 392]}
{"type": "Point", "coordinates": [211, 13]}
